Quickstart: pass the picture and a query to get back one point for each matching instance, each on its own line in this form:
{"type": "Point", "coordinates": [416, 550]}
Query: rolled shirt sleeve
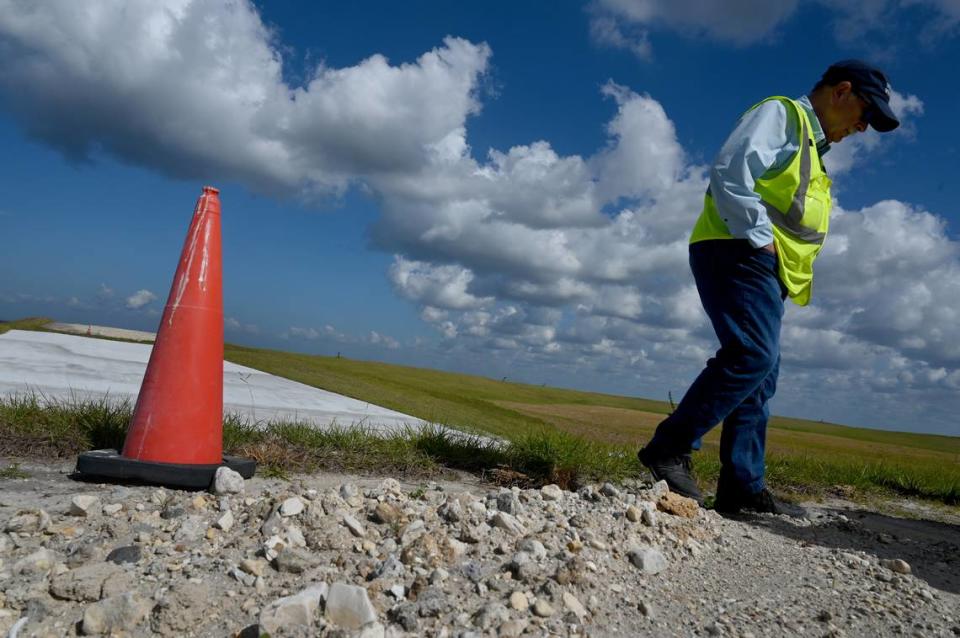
{"type": "Point", "coordinates": [760, 141]}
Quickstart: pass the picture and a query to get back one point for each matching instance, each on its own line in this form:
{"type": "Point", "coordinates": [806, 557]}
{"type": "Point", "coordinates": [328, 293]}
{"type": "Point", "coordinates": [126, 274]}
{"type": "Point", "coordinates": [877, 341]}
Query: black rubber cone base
{"type": "Point", "coordinates": [110, 464]}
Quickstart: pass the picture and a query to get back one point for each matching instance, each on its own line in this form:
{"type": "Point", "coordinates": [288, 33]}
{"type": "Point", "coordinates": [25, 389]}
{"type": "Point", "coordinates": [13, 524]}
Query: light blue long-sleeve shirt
{"type": "Point", "coordinates": [765, 138]}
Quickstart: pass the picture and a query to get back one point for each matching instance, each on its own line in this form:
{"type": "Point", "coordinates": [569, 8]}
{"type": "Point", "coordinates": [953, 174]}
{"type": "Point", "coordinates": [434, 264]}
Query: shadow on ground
{"type": "Point", "coordinates": [931, 547]}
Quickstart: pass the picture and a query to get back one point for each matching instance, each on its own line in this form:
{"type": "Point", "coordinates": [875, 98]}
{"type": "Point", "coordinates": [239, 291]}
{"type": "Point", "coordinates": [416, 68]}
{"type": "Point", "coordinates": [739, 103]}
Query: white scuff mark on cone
{"type": "Point", "coordinates": [204, 262]}
{"type": "Point", "coordinates": [143, 439]}
{"type": "Point", "coordinates": [184, 279]}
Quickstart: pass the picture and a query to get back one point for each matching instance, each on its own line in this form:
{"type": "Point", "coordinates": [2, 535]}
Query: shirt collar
{"type": "Point", "coordinates": [818, 136]}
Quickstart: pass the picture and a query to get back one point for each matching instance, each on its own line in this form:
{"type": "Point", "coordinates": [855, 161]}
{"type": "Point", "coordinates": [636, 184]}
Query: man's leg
{"type": "Point", "coordinates": [743, 440]}
{"type": "Point", "coordinates": [742, 295]}
{"type": "Point", "coordinates": [741, 485]}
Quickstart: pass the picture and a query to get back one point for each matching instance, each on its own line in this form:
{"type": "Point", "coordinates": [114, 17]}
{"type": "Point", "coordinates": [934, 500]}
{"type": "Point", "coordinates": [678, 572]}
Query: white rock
{"type": "Point", "coordinates": [85, 582]}
{"type": "Point", "coordinates": [355, 527]}
{"type": "Point", "coordinates": [391, 486]}
{"type": "Point", "coordinates": [533, 547]}
{"type": "Point", "coordinates": [112, 508]}
{"type": "Point", "coordinates": [192, 528]}
{"type": "Point", "coordinates": [573, 604]}
{"type": "Point", "coordinates": [115, 615]}
{"type": "Point", "coordinates": [291, 507]}
{"type": "Point", "coordinates": [648, 559]}
{"type": "Point", "coordinates": [519, 601]}
{"type": "Point", "coordinates": [551, 492]}
{"type": "Point", "coordinates": [28, 522]}
{"type": "Point", "coordinates": [293, 611]}
{"type": "Point", "coordinates": [225, 522]}
{"type": "Point", "coordinates": [35, 563]}
{"type": "Point", "coordinates": [227, 481]}
{"type": "Point", "coordinates": [509, 523]}
{"type": "Point", "coordinates": [413, 530]}
{"type": "Point", "coordinates": [649, 515]}
{"type": "Point", "coordinates": [349, 607]}
{"type": "Point", "coordinates": [659, 489]}
{"type": "Point", "coordinates": [295, 537]}
{"type": "Point", "coordinates": [85, 505]}
{"type": "Point", "coordinates": [897, 565]}
{"type": "Point", "coordinates": [272, 547]}
{"type": "Point", "coordinates": [253, 566]}
{"type": "Point", "coordinates": [542, 608]}
{"type": "Point", "coordinates": [242, 577]}
{"type": "Point", "coordinates": [451, 510]}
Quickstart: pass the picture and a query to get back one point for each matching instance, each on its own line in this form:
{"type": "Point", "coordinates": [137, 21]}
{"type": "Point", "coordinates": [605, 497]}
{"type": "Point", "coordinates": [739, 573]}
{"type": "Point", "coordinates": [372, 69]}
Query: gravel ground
{"type": "Point", "coordinates": [338, 555]}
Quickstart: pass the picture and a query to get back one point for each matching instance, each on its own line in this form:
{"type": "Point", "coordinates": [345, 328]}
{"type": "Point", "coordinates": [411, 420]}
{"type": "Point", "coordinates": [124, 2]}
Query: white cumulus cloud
{"type": "Point", "coordinates": [195, 88]}
{"type": "Point", "coordinates": [140, 299]}
{"type": "Point", "coordinates": [626, 24]}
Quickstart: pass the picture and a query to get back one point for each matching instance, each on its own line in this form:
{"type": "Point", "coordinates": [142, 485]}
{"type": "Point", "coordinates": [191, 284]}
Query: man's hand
{"type": "Point", "coordinates": [770, 248]}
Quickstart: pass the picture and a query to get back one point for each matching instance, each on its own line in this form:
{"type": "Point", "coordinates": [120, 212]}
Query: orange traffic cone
{"type": "Point", "coordinates": [176, 434]}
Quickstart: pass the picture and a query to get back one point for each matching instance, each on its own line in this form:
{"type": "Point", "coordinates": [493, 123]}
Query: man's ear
{"type": "Point", "coordinates": [840, 89]}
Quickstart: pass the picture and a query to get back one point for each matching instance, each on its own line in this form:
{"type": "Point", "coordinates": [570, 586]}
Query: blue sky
{"type": "Point", "coordinates": [498, 188]}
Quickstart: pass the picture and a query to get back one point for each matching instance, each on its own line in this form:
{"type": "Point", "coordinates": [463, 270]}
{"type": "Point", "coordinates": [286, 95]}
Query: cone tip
{"type": "Point", "coordinates": [211, 190]}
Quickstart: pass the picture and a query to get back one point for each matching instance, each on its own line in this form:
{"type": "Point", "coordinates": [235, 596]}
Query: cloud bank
{"type": "Point", "coordinates": [629, 24]}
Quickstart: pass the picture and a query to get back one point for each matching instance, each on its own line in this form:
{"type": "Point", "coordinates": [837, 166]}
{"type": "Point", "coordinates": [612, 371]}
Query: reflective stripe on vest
{"type": "Point", "coordinates": [791, 221]}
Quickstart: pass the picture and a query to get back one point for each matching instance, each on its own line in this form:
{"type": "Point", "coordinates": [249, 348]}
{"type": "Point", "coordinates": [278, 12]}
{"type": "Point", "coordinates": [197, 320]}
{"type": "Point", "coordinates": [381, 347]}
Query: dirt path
{"type": "Point", "coordinates": [578, 565]}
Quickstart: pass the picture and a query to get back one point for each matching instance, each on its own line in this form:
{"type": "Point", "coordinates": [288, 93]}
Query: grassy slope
{"type": "Point", "coordinates": [506, 408]}
{"type": "Point", "coordinates": [30, 323]}
{"type": "Point", "coordinates": [464, 401]}
{"type": "Point", "coordinates": [606, 429]}
{"type": "Point", "coordinates": [803, 455]}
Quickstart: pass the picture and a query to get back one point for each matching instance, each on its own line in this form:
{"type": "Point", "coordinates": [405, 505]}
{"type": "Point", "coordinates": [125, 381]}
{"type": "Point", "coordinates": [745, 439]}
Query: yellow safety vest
{"type": "Point", "coordinates": [797, 199]}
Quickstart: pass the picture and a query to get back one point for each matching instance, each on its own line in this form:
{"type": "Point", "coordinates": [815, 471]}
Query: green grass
{"type": "Point", "coordinates": [30, 323]}
{"type": "Point", "coordinates": [32, 426]}
{"type": "Point", "coordinates": [552, 434]}
{"type": "Point", "coordinates": [566, 433]}
{"type": "Point", "coordinates": [463, 401]}
{"type": "Point", "coordinates": [13, 471]}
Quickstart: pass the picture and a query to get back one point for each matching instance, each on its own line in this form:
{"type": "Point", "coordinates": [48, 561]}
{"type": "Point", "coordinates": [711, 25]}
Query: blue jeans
{"type": "Point", "coordinates": [742, 294]}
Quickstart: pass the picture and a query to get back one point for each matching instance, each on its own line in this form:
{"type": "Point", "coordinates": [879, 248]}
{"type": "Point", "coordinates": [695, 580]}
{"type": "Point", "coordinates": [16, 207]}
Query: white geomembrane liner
{"type": "Point", "coordinates": [64, 367]}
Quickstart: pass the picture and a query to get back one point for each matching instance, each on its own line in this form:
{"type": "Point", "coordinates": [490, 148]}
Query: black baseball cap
{"type": "Point", "coordinates": [871, 84]}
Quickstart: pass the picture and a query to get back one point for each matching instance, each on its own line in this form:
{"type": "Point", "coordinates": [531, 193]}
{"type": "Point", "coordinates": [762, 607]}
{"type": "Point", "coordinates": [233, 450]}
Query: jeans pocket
{"type": "Point", "coordinates": [765, 256]}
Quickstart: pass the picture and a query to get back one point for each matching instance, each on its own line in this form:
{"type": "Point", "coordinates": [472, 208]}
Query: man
{"type": "Point", "coordinates": [764, 220]}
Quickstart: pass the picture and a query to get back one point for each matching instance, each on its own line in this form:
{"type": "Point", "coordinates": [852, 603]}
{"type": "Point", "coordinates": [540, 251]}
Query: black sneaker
{"type": "Point", "coordinates": [675, 470]}
{"type": "Point", "coordinates": [763, 502]}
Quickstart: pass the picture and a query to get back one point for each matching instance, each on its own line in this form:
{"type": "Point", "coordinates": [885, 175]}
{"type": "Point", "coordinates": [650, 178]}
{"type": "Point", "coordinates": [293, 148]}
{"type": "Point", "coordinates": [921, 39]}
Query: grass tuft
{"type": "Point", "coordinates": [35, 425]}
{"type": "Point", "coordinates": [13, 471]}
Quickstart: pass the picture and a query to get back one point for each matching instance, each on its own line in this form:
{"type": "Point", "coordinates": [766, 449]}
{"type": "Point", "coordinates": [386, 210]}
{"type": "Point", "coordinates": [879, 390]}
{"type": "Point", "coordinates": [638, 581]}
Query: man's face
{"type": "Point", "coordinates": [845, 113]}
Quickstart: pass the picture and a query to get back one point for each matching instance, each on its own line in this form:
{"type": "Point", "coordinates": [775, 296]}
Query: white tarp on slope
{"type": "Point", "coordinates": [60, 366]}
